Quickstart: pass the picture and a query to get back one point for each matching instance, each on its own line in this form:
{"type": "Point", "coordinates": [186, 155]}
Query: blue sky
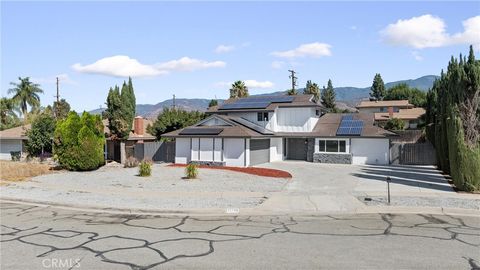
{"type": "Point", "coordinates": [195, 49]}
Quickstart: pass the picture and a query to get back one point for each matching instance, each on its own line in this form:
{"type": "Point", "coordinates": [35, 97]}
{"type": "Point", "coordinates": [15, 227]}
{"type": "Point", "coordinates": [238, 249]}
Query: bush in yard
{"type": "Point", "coordinates": [40, 135]}
{"type": "Point", "coordinates": [15, 155]}
{"type": "Point", "coordinates": [79, 142]}
{"type": "Point", "coordinates": [395, 124]}
{"type": "Point", "coordinates": [191, 171]}
{"type": "Point", "coordinates": [130, 162]}
{"type": "Point", "coordinates": [145, 168]}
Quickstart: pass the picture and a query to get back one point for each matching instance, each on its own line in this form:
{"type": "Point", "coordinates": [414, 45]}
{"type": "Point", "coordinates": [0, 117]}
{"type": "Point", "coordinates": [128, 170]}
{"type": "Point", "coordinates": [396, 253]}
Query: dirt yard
{"type": "Point", "coordinates": [17, 171]}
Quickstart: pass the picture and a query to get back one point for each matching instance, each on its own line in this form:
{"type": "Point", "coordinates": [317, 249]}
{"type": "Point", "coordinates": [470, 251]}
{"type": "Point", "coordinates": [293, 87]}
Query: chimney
{"type": "Point", "coordinates": [390, 112]}
{"type": "Point", "coordinates": [138, 126]}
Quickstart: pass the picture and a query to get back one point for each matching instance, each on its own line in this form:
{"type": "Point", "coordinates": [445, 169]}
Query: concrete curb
{"type": "Point", "coordinates": [247, 211]}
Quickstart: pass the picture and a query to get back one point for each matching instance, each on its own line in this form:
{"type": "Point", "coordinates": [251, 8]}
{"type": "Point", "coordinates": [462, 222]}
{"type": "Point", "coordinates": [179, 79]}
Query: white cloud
{"type": "Point", "coordinates": [124, 66]}
{"type": "Point", "coordinates": [429, 31]}
{"type": "Point", "coordinates": [353, 27]}
{"type": "Point", "coordinates": [189, 64]}
{"type": "Point", "coordinates": [224, 48]}
{"type": "Point", "coordinates": [63, 79]}
{"type": "Point", "coordinates": [278, 64]}
{"type": "Point", "coordinates": [315, 49]}
{"type": "Point", "coordinates": [417, 56]}
{"type": "Point", "coordinates": [248, 83]}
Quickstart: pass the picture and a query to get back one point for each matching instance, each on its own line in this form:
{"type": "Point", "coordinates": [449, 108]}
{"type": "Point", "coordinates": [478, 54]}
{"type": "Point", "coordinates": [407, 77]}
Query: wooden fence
{"type": "Point", "coordinates": [155, 151]}
{"type": "Point", "coordinates": [413, 153]}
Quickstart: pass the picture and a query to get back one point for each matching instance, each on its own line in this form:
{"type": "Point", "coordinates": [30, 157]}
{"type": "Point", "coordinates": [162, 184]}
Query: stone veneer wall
{"type": "Point", "coordinates": [332, 158]}
{"type": "Point", "coordinates": [310, 149]}
{"type": "Point", "coordinates": [208, 163]}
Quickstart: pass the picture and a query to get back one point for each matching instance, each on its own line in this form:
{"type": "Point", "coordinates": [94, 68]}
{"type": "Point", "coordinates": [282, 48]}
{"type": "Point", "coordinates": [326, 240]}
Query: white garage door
{"type": "Point", "coordinates": [6, 146]}
{"type": "Point", "coordinates": [369, 151]}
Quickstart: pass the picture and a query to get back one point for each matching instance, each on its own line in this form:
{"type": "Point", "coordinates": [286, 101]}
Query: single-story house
{"type": "Point", "coordinates": [256, 130]}
{"type": "Point", "coordinates": [13, 140]}
{"type": "Point", "coordinates": [388, 109]}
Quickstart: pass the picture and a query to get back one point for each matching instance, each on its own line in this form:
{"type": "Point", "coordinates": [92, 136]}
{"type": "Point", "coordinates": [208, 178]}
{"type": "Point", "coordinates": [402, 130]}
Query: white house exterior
{"type": "Point", "coordinates": [278, 129]}
{"type": "Point", "coordinates": [13, 140]}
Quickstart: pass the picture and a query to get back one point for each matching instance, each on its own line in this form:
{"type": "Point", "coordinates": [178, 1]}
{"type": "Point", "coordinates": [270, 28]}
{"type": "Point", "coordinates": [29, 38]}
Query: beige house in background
{"type": "Point", "coordinates": [385, 110]}
{"type": "Point", "coordinates": [13, 140]}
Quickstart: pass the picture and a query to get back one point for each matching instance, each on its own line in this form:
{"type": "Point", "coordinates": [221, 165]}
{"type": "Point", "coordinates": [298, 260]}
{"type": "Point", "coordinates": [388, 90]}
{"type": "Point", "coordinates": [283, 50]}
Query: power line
{"type": "Point", "coordinates": [294, 78]}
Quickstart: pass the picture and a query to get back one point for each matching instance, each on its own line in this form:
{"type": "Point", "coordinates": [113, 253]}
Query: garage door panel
{"type": "Point", "coordinates": [297, 149]}
{"type": "Point", "coordinates": [259, 151]}
{"type": "Point", "coordinates": [370, 151]}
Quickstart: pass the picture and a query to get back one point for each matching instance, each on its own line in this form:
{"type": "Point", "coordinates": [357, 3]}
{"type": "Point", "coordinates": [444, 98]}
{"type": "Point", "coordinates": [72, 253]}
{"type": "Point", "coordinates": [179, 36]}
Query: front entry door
{"type": "Point", "coordinates": [297, 149]}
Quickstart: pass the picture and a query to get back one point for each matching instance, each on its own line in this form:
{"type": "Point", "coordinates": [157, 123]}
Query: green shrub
{"type": "Point", "coordinates": [395, 124]}
{"type": "Point", "coordinates": [40, 135]}
{"type": "Point", "coordinates": [191, 171]}
{"type": "Point", "coordinates": [79, 142]}
{"type": "Point", "coordinates": [145, 168]}
{"type": "Point", "coordinates": [131, 162]}
{"type": "Point", "coordinates": [15, 155]}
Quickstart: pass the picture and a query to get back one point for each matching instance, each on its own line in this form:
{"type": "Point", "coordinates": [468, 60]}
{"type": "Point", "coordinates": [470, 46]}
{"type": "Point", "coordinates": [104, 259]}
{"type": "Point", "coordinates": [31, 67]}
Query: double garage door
{"type": "Point", "coordinates": [259, 151]}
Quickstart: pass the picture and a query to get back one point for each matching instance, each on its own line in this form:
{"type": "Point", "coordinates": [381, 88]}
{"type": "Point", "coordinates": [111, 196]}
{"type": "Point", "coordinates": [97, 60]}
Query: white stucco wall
{"type": "Point", "coordinates": [295, 119]}
{"type": "Point", "coordinates": [217, 156]}
{"type": "Point", "coordinates": [182, 150]}
{"type": "Point", "coordinates": [276, 149]}
{"type": "Point", "coordinates": [253, 117]}
{"type": "Point", "coordinates": [370, 151]}
{"type": "Point", "coordinates": [234, 152]}
{"type": "Point", "coordinates": [206, 149]}
{"type": "Point", "coordinates": [7, 145]}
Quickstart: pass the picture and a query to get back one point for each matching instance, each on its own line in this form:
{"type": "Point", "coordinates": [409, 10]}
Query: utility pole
{"type": "Point", "coordinates": [174, 102]}
{"type": "Point", "coordinates": [58, 101]}
{"type": "Point", "coordinates": [294, 78]}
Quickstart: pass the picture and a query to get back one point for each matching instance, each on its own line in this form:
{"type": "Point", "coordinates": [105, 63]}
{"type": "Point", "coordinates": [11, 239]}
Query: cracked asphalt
{"type": "Point", "coordinates": [35, 237]}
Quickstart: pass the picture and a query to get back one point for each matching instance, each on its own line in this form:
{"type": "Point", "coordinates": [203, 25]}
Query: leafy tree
{"type": "Point", "coordinates": [292, 92]}
{"type": "Point", "coordinates": [40, 135]}
{"type": "Point", "coordinates": [312, 89]}
{"type": "Point", "coordinates": [8, 117]}
{"type": "Point", "coordinates": [378, 87]}
{"type": "Point", "coordinates": [212, 103]}
{"type": "Point", "coordinates": [120, 110]}
{"type": "Point", "coordinates": [174, 119]}
{"type": "Point", "coordinates": [395, 124]}
{"type": "Point", "coordinates": [328, 96]}
{"type": "Point", "coordinates": [79, 142]}
{"type": "Point", "coordinates": [403, 91]}
{"type": "Point", "coordinates": [61, 109]}
{"type": "Point", "coordinates": [239, 90]}
{"type": "Point", "coordinates": [26, 93]}
{"type": "Point", "coordinates": [453, 121]}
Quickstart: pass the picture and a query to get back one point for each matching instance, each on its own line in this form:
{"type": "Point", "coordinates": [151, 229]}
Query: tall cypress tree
{"type": "Point", "coordinates": [378, 87]}
{"type": "Point", "coordinates": [328, 96]}
{"type": "Point", "coordinates": [120, 110]}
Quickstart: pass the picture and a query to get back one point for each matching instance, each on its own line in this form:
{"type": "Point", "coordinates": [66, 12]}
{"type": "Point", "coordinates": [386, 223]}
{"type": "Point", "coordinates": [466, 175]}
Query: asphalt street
{"type": "Point", "coordinates": [35, 237]}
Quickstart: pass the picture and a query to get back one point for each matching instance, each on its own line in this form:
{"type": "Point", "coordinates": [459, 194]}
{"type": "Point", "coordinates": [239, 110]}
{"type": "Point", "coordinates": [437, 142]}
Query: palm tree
{"type": "Point", "coordinates": [25, 93]}
{"type": "Point", "coordinates": [7, 108]}
{"type": "Point", "coordinates": [238, 90]}
{"type": "Point", "coordinates": [292, 92]}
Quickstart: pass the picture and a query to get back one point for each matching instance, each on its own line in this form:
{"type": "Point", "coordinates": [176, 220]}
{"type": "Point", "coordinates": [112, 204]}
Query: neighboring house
{"type": "Point", "coordinates": [119, 151]}
{"type": "Point", "coordinates": [256, 130]}
{"type": "Point", "coordinates": [13, 140]}
{"type": "Point", "coordinates": [388, 109]}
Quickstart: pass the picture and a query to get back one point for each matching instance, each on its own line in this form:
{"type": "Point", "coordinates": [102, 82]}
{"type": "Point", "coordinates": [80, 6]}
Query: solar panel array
{"type": "Point", "coordinates": [350, 127]}
{"type": "Point", "coordinates": [253, 126]}
{"type": "Point", "coordinates": [256, 102]}
{"type": "Point", "coordinates": [201, 131]}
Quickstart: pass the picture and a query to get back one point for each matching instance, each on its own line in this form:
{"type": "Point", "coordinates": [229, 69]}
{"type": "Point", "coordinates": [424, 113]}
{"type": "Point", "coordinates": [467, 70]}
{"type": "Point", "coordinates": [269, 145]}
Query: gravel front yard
{"type": "Point", "coordinates": [119, 187]}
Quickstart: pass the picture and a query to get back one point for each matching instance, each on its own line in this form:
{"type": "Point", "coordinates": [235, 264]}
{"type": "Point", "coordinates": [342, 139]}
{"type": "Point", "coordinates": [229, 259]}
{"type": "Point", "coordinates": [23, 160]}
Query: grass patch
{"type": "Point", "coordinates": [18, 171]}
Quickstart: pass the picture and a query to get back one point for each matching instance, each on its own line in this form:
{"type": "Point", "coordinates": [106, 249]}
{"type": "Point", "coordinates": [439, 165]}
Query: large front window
{"type": "Point", "coordinates": [332, 146]}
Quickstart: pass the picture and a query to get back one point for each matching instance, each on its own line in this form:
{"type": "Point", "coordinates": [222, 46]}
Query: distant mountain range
{"type": "Point", "coordinates": [347, 97]}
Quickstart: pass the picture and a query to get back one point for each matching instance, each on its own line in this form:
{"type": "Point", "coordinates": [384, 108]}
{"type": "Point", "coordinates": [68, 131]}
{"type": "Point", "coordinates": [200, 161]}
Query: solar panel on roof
{"type": "Point", "coordinates": [201, 131]}
{"type": "Point", "coordinates": [253, 126]}
{"type": "Point", "coordinates": [256, 102]}
{"type": "Point", "coordinates": [347, 117]}
{"type": "Point", "coordinates": [350, 127]}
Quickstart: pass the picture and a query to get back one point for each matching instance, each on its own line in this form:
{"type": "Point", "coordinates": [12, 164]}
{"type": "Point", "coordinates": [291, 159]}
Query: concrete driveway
{"type": "Point", "coordinates": [338, 188]}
